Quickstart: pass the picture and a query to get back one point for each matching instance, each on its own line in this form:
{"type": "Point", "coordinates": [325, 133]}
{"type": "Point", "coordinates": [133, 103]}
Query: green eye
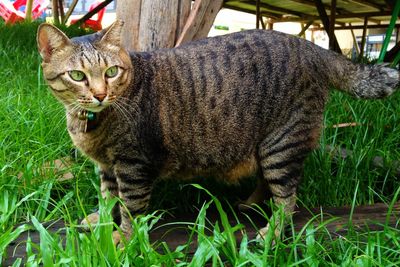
{"type": "Point", "coordinates": [77, 75]}
{"type": "Point", "coordinates": [112, 72]}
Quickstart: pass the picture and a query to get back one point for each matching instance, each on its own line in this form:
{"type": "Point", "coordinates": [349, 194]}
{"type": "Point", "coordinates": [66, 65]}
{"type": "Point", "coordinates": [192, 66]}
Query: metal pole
{"type": "Point", "coordinates": [389, 31]}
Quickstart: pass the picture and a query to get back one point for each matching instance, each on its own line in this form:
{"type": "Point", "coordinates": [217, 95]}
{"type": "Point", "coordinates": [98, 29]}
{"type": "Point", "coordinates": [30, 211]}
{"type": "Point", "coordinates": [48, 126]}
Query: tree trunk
{"type": "Point", "coordinates": [153, 24]}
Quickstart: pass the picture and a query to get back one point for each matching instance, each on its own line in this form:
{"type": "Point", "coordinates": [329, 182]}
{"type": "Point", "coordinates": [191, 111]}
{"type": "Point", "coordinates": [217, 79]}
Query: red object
{"type": "Point", "coordinates": [10, 11]}
{"type": "Point", "coordinates": [92, 23]}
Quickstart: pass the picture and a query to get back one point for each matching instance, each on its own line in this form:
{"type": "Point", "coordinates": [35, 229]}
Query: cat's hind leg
{"type": "Point", "coordinates": [281, 162]}
{"type": "Point", "coordinates": [259, 195]}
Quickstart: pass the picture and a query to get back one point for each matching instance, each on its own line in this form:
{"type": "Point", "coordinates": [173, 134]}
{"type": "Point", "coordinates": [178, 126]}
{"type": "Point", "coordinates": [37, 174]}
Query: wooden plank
{"type": "Point", "coordinates": [211, 13]}
{"type": "Point", "coordinates": [338, 16]}
{"type": "Point", "coordinates": [183, 13]}
{"type": "Point", "coordinates": [329, 7]}
{"type": "Point", "coordinates": [264, 13]}
{"type": "Point", "coordinates": [193, 22]}
{"type": "Point", "coordinates": [356, 27]}
{"type": "Point", "coordinates": [270, 7]}
{"type": "Point", "coordinates": [369, 4]}
{"type": "Point", "coordinates": [200, 20]}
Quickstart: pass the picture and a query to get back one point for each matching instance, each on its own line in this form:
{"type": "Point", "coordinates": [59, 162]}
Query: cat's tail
{"type": "Point", "coordinates": [363, 81]}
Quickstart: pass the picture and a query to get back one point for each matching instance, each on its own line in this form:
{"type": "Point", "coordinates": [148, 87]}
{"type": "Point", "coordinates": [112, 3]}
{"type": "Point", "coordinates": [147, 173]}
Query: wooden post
{"type": "Point", "coordinates": [56, 16]}
{"type": "Point", "coordinates": [325, 21]}
{"type": "Point", "coordinates": [258, 14]}
{"type": "Point", "coordinates": [61, 10]}
{"type": "Point", "coordinates": [200, 20]}
{"type": "Point", "coordinates": [363, 37]}
{"type": "Point", "coordinates": [70, 10]}
{"type": "Point", "coordinates": [355, 41]}
{"type": "Point", "coordinates": [262, 23]}
{"type": "Point", "coordinates": [152, 24]}
{"type": "Point", "coordinates": [332, 25]}
{"type": "Point", "coordinates": [304, 28]}
{"type": "Point", "coordinates": [28, 10]}
{"type": "Point", "coordinates": [158, 24]}
{"type": "Point", "coordinates": [270, 24]}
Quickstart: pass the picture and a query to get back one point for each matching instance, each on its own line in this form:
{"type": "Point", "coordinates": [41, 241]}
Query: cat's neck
{"type": "Point", "coordinates": [85, 121]}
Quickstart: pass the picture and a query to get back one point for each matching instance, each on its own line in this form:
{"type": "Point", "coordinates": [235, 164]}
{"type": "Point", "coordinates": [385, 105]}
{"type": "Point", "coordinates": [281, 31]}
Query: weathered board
{"type": "Point", "coordinates": [372, 217]}
{"type": "Point", "coordinates": [152, 24]}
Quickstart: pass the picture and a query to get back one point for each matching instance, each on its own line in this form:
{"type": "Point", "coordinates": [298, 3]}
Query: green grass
{"type": "Point", "coordinates": [33, 132]}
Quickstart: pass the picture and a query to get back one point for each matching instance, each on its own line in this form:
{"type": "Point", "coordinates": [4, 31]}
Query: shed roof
{"type": "Point", "coordinates": [347, 11]}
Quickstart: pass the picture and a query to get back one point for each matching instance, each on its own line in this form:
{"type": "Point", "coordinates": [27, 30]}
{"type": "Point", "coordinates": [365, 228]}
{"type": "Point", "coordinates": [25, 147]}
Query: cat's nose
{"type": "Point", "coordinates": [100, 97]}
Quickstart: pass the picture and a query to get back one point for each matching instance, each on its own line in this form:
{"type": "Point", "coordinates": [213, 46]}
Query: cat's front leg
{"type": "Point", "coordinates": [134, 189]}
{"type": "Point", "coordinates": [108, 187]}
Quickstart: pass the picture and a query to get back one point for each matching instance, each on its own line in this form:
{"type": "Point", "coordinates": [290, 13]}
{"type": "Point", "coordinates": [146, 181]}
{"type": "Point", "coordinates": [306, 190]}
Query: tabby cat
{"type": "Point", "coordinates": [227, 106]}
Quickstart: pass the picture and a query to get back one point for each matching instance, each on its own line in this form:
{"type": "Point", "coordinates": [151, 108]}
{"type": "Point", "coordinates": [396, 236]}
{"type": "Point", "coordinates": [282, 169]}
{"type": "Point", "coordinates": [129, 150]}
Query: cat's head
{"type": "Point", "coordinates": [88, 72]}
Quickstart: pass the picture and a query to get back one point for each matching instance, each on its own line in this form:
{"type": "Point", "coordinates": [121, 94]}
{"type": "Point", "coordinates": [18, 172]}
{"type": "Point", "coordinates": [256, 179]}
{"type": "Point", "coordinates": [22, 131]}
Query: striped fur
{"type": "Point", "coordinates": [229, 106]}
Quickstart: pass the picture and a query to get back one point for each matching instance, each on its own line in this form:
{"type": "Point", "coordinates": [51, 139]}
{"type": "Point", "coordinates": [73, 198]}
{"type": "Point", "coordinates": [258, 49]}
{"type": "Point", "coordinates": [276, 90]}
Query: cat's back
{"type": "Point", "coordinates": [261, 43]}
{"type": "Point", "coordinates": [236, 58]}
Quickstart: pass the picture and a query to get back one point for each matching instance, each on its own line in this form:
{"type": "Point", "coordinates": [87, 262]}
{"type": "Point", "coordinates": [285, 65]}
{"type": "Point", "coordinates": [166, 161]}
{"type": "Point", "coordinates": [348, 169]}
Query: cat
{"type": "Point", "coordinates": [230, 106]}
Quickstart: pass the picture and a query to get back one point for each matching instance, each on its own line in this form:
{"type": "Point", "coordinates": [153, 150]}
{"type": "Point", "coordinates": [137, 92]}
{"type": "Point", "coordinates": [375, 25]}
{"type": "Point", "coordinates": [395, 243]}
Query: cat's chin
{"type": "Point", "coordinates": [96, 109]}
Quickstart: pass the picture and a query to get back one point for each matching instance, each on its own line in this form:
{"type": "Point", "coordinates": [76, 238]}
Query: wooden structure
{"type": "Point", "coordinates": [156, 24]}
{"type": "Point", "coordinates": [181, 21]}
{"type": "Point", "coordinates": [337, 13]}
{"type": "Point", "coordinates": [174, 233]}
{"type": "Point", "coordinates": [328, 15]}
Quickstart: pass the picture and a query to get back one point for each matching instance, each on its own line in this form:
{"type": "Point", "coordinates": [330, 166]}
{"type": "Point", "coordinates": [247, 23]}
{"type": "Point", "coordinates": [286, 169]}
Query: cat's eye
{"type": "Point", "coordinates": [112, 72]}
{"type": "Point", "coordinates": [77, 75]}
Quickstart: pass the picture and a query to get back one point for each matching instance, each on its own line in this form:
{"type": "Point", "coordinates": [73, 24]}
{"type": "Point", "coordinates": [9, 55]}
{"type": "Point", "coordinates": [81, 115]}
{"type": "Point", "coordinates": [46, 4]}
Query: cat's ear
{"type": "Point", "coordinates": [49, 40]}
{"type": "Point", "coordinates": [112, 34]}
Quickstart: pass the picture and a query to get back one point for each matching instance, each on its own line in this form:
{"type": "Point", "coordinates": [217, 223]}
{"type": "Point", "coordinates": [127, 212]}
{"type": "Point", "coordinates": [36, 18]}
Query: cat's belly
{"type": "Point", "coordinates": [230, 173]}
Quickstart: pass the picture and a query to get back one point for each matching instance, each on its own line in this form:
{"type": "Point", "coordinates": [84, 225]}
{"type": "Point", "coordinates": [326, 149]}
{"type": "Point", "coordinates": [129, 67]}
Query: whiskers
{"type": "Point", "coordinates": [74, 108]}
{"type": "Point", "coordinates": [55, 112]}
{"type": "Point", "coordinates": [124, 107]}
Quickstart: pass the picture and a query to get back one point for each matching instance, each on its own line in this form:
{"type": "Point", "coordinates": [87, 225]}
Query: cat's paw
{"type": "Point", "coordinates": [242, 206]}
{"type": "Point", "coordinates": [262, 235]}
{"type": "Point", "coordinates": [91, 219]}
{"type": "Point", "coordinates": [116, 236]}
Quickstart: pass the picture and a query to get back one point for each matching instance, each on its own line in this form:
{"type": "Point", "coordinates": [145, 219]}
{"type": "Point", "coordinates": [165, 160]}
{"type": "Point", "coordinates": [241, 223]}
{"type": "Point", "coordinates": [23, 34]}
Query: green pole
{"type": "Point", "coordinates": [396, 60]}
{"type": "Point", "coordinates": [389, 31]}
{"type": "Point", "coordinates": [28, 10]}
